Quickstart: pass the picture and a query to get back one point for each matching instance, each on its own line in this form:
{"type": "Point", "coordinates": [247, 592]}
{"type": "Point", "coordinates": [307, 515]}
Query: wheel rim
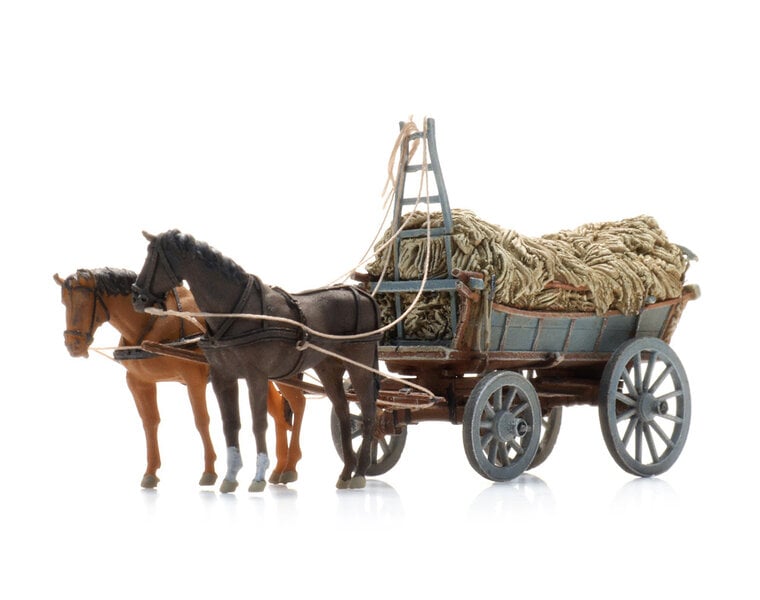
{"type": "Point", "coordinates": [645, 408]}
{"type": "Point", "coordinates": [550, 424]}
{"type": "Point", "coordinates": [385, 450]}
{"type": "Point", "coordinates": [502, 425]}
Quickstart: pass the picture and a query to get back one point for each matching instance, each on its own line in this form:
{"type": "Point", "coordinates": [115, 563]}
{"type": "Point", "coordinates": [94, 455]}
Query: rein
{"type": "Point", "coordinates": [302, 345]}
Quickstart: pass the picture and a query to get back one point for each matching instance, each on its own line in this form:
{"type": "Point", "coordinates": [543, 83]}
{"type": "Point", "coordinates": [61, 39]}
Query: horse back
{"type": "Point", "coordinates": [339, 310]}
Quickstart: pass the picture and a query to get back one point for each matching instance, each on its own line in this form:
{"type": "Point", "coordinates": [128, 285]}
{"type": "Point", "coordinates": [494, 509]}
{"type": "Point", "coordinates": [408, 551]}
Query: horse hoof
{"type": "Point", "coordinates": [257, 485]}
{"type": "Point", "coordinates": [208, 479]}
{"type": "Point", "coordinates": [288, 477]}
{"type": "Point", "coordinates": [149, 481]}
{"type": "Point", "coordinates": [357, 482]}
{"type": "Point", "coordinates": [228, 486]}
{"type": "Point", "coordinates": [342, 484]}
{"type": "Point", "coordinates": [275, 477]}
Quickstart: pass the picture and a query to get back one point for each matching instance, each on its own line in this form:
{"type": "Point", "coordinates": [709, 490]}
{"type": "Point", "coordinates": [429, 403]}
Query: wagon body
{"type": "Point", "coordinates": [565, 353]}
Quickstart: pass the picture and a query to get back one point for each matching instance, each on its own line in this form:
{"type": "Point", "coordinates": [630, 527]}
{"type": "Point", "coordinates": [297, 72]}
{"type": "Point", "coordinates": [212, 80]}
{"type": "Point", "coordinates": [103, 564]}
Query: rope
{"type": "Point", "coordinates": [255, 317]}
{"type": "Point", "coordinates": [408, 129]}
{"type": "Point", "coordinates": [308, 345]}
{"type": "Point", "coordinates": [389, 192]}
{"type": "Point", "coordinates": [104, 352]}
{"type": "Point", "coordinates": [301, 346]}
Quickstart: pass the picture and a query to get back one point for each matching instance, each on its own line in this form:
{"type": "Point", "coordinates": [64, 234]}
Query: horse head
{"type": "Point", "coordinates": [156, 278]}
{"type": "Point", "coordinates": [85, 310]}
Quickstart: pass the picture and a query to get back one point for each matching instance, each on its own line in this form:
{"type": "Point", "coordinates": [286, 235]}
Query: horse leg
{"type": "Point", "coordinates": [276, 408]}
{"type": "Point", "coordinates": [330, 373]}
{"type": "Point", "coordinates": [297, 402]}
{"type": "Point", "coordinates": [365, 386]}
{"type": "Point", "coordinates": [196, 390]}
{"type": "Point", "coordinates": [144, 394]}
{"type": "Point", "coordinates": [226, 391]}
{"type": "Point", "coordinates": [258, 388]}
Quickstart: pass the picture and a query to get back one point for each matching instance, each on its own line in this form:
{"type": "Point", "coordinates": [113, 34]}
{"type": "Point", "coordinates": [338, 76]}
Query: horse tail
{"type": "Point", "coordinates": [377, 378]}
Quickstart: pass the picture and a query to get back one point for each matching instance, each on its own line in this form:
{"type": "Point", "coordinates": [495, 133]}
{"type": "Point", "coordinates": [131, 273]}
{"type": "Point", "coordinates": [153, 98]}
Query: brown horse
{"type": "Point", "coordinates": [93, 297]}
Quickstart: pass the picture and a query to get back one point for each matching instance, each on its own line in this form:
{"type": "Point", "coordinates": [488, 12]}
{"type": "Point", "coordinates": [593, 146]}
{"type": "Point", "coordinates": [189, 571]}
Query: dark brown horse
{"type": "Point", "coordinates": [93, 297]}
{"type": "Point", "coordinates": [258, 350]}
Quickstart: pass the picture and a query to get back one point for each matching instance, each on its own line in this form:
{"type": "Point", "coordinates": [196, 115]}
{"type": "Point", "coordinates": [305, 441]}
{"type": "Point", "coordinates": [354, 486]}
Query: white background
{"type": "Point", "coordinates": [264, 129]}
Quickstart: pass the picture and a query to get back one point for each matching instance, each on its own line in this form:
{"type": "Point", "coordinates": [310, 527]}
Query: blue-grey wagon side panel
{"type": "Point", "coordinates": [525, 331]}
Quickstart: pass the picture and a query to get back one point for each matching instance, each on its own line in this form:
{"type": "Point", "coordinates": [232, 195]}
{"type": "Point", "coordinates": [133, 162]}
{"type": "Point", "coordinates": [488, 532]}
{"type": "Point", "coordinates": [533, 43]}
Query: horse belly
{"type": "Point", "coordinates": [271, 359]}
{"type": "Point", "coordinates": [162, 369]}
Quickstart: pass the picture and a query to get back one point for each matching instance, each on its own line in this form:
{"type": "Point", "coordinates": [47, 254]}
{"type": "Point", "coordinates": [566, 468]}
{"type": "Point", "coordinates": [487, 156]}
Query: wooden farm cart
{"type": "Point", "coordinates": [505, 374]}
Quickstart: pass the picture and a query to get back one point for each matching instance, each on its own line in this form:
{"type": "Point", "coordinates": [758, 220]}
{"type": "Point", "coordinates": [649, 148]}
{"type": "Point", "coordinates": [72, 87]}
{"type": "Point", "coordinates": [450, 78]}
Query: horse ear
{"type": "Point", "coordinates": [148, 236]}
{"type": "Point", "coordinates": [58, 280]}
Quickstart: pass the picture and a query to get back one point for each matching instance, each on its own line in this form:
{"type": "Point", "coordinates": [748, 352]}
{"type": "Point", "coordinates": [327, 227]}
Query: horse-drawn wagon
{"type": "Point", "coordinates": [503, 369]}
{"type": "Point", "coordinates": [505, 373]}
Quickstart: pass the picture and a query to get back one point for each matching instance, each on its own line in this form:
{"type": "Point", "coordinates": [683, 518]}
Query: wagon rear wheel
{"type": "Point", "coordinates": [501, 427]}
{"type": "Point", "coordinates": [550, 424]}
{"type": "Point", "coordinates": [385, 450]}
{"type": "Point", "coordinates": [644, 406]}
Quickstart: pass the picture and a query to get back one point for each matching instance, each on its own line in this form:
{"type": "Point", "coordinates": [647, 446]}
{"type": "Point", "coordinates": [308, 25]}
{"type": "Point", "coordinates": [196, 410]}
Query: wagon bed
{"type": "Point", "coordinates": [518, 339]}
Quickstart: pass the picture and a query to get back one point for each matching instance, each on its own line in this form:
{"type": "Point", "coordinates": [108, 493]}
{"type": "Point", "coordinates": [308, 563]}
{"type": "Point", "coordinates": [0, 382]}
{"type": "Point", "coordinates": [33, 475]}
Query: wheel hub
{"type": "Point", "coordinates": [507, 427]}
{"type": "Point", "coordinates": [651, 407]}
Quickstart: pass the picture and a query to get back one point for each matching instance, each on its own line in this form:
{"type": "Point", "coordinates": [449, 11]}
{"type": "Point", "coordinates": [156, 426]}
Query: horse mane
{"type": "Point", "coordinates": [108, 281]}
{"type": "Point", "coordinates": [186, 245]}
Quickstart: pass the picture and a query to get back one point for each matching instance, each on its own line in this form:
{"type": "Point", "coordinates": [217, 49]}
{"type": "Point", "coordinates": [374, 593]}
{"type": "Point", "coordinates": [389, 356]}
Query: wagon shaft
{"type": "Point", "coordinates": [173, 351]}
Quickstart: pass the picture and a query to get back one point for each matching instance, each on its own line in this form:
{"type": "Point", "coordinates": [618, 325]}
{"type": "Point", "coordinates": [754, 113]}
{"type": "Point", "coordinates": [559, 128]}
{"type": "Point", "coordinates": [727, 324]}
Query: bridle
{"type": "Point", "coordinates": [145, 294]}
{"type": "Point", "coordinates": [87, 336]}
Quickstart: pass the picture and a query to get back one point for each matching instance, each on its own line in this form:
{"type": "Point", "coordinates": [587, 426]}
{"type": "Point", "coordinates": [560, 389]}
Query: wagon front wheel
{"type": "Point", "coordinates": [501, 427]}
{"type": "Point", "coordinates": [385, 450]}
{"type": "Point", "coordinates": [644, 406]}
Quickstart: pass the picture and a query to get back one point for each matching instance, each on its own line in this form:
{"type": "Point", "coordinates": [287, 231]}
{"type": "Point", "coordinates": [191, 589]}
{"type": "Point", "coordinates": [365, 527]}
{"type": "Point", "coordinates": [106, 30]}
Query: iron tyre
{"type": "Point", "coordinates": [644, 406]}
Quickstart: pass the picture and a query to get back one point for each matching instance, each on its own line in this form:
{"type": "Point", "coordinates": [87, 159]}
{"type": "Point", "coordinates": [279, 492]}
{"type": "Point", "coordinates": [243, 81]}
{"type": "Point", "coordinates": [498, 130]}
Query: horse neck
{"type": "Point", "coordinates": [129, 323]}
{"type": "Point", "coordinates": [213, 291]}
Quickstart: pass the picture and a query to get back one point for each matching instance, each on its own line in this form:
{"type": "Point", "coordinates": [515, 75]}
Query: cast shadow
{"type": "Point", "coordinates": [645, 494]}
{"type": "Point", "coordinates": [520, 496]}
{"type": "Point", "coordinates": [376, 502]}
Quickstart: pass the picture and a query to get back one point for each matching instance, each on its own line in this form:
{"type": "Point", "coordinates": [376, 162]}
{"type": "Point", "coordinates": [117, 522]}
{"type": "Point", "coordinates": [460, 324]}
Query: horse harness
{"type": "Point", "coordinates": [134, 353]}
{"type": "Point", "coordinates": [267, 331]}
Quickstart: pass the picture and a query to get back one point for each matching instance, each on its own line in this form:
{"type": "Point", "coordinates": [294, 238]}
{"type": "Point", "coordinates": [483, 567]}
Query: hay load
{"type": "Point", "coordinates": [597, 267]}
